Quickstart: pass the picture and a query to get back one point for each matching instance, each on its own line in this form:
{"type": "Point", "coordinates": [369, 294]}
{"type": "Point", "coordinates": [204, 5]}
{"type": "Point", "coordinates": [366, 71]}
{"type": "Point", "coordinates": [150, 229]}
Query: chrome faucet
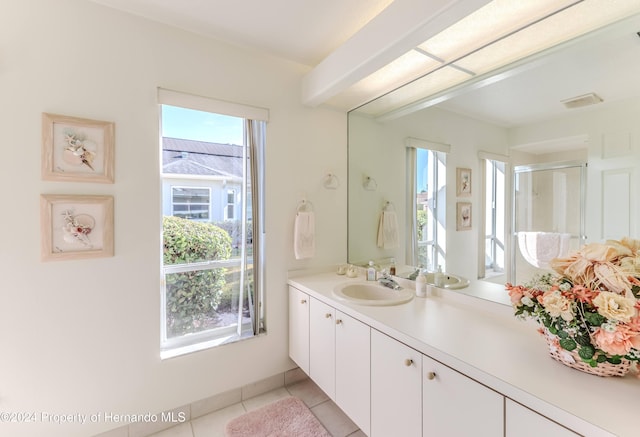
{"type": "Point", "coordinates": [386, 280]}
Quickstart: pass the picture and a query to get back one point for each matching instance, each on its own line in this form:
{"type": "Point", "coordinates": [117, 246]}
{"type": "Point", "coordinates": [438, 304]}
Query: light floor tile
{"type": "Point", "coordinates": [182, 430]}
{"type": "Point", "coordinates": [266, 398]}
{"type": "Point", "coordinates": [213, 424]}
{"type": "Point", "coordinates": [332, 418]}
{"type": "Point", "coordinates": [294, 375]}
{"type": "Point", "coordinates": [122, 431]}
{"type": "Point", "coordinates": [308, 392]}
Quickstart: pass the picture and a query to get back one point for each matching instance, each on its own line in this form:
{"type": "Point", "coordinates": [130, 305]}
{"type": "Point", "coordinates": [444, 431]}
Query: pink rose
{"type": "Point", "coordinates": [515, 293]}
{"type": "Point", "coordinates": [618, 342]}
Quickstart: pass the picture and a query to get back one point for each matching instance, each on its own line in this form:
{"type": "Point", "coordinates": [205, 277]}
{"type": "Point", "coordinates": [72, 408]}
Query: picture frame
{"type": "Point", "coordinates": [76, 226]}
{"type": "Point", "coordinates": [463, 182]}
{"type": "Point", "coordinates": [77, 149]}
{"type": "Point", "coordinates": [463, 216]}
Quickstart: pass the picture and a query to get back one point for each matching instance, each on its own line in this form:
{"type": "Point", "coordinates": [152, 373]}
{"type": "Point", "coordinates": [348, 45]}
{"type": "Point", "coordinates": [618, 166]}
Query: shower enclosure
{"type": "Point", "coordinates": [548, 215]}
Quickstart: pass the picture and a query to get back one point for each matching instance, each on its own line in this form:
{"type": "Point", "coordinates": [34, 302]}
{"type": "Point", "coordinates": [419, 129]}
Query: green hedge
{"type": "Point", "coordinates": [193, 297]}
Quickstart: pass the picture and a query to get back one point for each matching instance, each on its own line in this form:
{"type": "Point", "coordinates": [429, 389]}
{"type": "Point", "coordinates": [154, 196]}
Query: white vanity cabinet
{"type": "Point", "coordinates": [353, 370]}
{"type": "Point", "coordinates": [299, 328]}
{"type": "Point", "coordinates": [396, 388]}
{"type": "Point", "coordinates": [372, 362]}
{"type": "Point", "coordinates": [322, 350]}
{"type": "Point", "coordinates": [523, 422]}
{"type": "Point", "coordinates": [336, 350]}
{"type": "Point", "coordinates": [454, 405]}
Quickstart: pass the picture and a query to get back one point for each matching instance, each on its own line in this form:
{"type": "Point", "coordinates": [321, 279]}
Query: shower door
{"type": "Point", "coordinates": [548, 208]}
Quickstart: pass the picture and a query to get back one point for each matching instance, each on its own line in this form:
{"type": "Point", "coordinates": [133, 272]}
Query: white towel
{"type": "Point", "coordinates": [388, 230]}
{"type": "Point", "coordinates": [304, 235]}
{"type": "Point", "coordinates": [539, 248]}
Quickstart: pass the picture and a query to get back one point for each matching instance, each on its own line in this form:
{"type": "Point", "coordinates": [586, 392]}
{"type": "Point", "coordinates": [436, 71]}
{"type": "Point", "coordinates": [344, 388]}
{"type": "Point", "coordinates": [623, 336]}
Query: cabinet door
{"type": "Point", "coordinates": [353, 370]}
{"type": "Point", "coordinates": [457, 406]}
{"type": "Point", "coordinates": [299, 328]}
{"type": "Point", "coordinates": [322, 346]}
{"type": "Point", "coordinates": [523, 422]}
{"type": "Point", "coordinates": [396, 388]}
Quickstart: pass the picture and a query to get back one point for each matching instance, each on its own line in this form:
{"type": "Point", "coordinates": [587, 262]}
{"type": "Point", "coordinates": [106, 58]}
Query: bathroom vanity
{"type": "Point", "coordinates": [449, 364]}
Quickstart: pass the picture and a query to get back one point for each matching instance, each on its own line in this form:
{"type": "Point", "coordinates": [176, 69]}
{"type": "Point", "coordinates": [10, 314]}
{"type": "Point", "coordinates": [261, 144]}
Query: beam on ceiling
{"type": "Point", "coordinates": [397, 29]}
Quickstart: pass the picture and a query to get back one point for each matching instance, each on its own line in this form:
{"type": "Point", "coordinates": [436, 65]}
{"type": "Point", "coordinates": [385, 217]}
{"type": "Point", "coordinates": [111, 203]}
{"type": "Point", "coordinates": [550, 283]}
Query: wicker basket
{"type": "Point", "coordinates": [573, 360]}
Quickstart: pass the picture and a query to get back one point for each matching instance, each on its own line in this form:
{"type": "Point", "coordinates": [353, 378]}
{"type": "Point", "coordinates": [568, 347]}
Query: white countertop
{"type": "Point", "coordinates": [486, 342]}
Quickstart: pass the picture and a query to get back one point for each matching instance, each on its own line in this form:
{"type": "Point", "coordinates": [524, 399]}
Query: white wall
{"type": "Point", "coordinates": [382, 155]}
{"type": "Point", "coordinates": [83, 336]}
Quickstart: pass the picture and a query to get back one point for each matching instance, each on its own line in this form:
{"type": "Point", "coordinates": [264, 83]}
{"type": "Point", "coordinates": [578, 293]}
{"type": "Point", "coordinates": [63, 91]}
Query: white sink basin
{"type": "Point", "coordinates": [448, 281]}
{"type": "Point", "coordinates": [371, 293]}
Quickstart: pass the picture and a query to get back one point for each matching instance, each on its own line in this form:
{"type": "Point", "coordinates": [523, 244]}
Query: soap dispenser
{"type": "Point", "coordinates": [371, 272]}
{"type": "Point", "coordinates": [421, 285]}
{"type": "Point", "coordinates": [438, 277]}
{"type": "Point", "coordinates": [392, 267]}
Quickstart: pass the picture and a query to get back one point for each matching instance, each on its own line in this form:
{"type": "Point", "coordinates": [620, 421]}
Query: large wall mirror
{"type": "Point", "coordinates": [515, 116]}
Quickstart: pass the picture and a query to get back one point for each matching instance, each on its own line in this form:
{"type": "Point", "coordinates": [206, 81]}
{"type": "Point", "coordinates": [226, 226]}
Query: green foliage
{"type": "Point", "coordinates": [192, 297]}
{"type": "Point", "coordinates": [421, 220]}
{"type": "Point", "coordinates": [587, 352]}
{"type": "Point", "coordinates": [569, 344]}
{"type": "Point", "coordinates": [594, 319]}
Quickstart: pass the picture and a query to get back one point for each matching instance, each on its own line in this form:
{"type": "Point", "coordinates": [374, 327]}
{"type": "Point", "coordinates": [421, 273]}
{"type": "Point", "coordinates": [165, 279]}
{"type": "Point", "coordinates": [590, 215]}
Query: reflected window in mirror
{"type": "Point", "coordinates": [427, 173]}
{"type": "Point", "coordinates": [494, 217]}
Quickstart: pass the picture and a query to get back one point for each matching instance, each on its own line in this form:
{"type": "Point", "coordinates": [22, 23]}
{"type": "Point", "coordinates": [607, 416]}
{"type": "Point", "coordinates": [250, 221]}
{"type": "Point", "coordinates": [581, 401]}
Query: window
{"type": "Point", "coordinates": [494, 220]}
{"type": "Point", "coordinates": [212, 178]}
{"type": "Point", "coordinates": [428, 177]}
{"type": "Point", "coordinates": [231, 204]}
{"type": "Point", "coordinates": [191, 203]}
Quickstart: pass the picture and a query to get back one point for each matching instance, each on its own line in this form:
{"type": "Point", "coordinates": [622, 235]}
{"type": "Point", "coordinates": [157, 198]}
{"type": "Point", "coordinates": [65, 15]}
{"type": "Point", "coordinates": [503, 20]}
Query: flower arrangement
{"type": "Point", "coordinates": [590, 309]}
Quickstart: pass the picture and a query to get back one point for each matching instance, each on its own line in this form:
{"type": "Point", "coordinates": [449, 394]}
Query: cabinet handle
{"type": "Point", "coordinates": [303, 301]}
{"type": "Point", "coordinates": [431, 375]}
{"type": "Point", "coordinates": [339, 321]}
{"type": "Point", "coordinates": [327, 316]}
{"type": "Point", "coordinates": [408, 362]}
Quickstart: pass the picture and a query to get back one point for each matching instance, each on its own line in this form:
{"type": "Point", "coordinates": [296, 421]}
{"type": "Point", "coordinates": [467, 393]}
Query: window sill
{"type": "Point", "coordinates": [176, 351]}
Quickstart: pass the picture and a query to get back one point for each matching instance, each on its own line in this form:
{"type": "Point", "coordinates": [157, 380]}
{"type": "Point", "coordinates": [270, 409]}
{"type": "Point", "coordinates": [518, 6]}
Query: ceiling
{"type": "Point", "coordinates": [302, 31]}
{"type": "Point", "coordinates": [307, 32]}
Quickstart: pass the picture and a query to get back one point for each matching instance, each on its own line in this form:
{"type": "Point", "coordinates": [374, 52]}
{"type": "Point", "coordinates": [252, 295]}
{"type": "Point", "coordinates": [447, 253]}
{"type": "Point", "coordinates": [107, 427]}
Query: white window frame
{"type": "Point", "coordinates": [206, 339]}
{"type": "Point", "coordinates": [484, 272]}
{"type": "Point", "coordinates": [438, 161]}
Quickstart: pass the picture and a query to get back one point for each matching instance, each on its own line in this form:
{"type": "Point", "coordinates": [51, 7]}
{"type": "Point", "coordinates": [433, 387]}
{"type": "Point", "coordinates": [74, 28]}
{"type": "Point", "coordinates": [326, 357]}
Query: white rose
{"type": "Point", "coordinates": [614, 306]}
{"type": "Point", "coordinates": [526, 300]}
{"type": "Point", "coordinates": [557, 305]}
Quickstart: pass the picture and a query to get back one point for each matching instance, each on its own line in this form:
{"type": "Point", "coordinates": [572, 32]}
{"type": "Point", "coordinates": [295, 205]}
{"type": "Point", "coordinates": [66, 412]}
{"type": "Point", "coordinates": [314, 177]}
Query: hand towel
{"type": "Point", "coordinates": [304, 239]}
{"type": "Point", "coordinates": [539, 248]}
{"type": "Point", "coordinates": [388, 230]}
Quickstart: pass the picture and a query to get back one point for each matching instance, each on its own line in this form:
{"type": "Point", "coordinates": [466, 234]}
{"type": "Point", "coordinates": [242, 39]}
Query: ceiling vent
{"type": "Point", "coordinates": [580, 101]}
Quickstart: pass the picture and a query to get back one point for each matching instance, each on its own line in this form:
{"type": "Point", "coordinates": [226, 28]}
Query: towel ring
{"type": "Point", "coordinates": [388, 206]}
{"type": "Point", "coordinates": [331, 181]}
{"type": "Point", "coordinates": [305, 206]}
{"type": "Point", "coordinates": [369, 183]}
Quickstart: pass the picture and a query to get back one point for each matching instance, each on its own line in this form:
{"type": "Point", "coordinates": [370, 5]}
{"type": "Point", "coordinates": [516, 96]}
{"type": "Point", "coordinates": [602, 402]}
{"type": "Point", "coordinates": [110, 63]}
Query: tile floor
{"type": "Point", "coordinates": [212, 424]}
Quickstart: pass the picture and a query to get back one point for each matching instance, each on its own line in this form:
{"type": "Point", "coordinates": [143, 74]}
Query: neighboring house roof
{"type": "Point", "coordinates": [189, 157]}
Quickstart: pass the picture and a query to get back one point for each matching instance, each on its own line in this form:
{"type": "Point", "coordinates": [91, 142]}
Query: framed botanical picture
{"type": "Point", "coordinates": [75, 226]}
{"type": "Point", "coordinates": [463, 182]}
{"type": "Point", "coordinates": [77, 149]}
{"type": "Point", "coordinates": [463, 216]}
